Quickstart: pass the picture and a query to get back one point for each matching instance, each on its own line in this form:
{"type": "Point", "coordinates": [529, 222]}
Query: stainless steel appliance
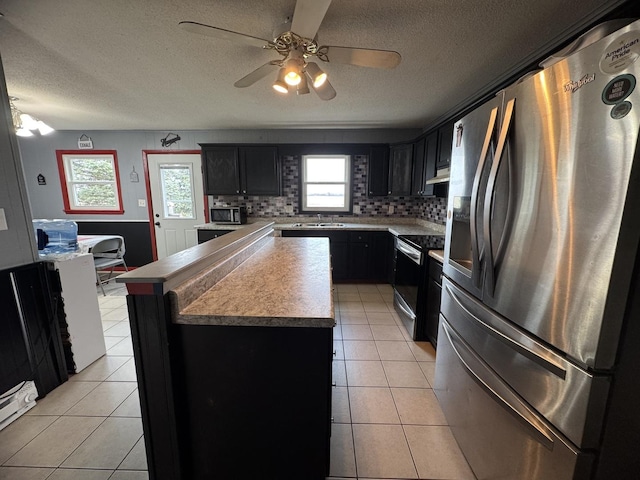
{"type": "Point", "coordinates": [538, 345]}
{"type": "Point", "coordinates": [410, 279]}
{"type": "Point", "coordinates": [229, 215]}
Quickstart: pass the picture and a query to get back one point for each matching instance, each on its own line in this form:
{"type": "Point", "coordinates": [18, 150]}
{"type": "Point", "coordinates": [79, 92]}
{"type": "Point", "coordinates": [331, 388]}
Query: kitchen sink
{"type": "Point", "coordinates": [328, 225]}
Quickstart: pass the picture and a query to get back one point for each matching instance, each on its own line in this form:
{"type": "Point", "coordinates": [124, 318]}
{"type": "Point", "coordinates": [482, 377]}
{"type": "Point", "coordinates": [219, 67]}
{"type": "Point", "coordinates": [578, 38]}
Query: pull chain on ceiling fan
{"type": "Point", "coordinates": [296, 46]}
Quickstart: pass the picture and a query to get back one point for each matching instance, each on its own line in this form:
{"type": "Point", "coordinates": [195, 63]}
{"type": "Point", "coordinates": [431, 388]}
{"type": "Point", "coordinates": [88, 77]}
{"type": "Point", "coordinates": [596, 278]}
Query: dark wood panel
{"type": "Point", "coordinates": [257, 402]}
{"type": "Point", "coordinates": [137, 238]}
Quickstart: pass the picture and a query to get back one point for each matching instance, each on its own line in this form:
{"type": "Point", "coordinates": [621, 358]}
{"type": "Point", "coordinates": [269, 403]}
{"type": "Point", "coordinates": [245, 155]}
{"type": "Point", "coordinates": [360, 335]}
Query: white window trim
{"type": "Point", "coordinates": [303, 186]}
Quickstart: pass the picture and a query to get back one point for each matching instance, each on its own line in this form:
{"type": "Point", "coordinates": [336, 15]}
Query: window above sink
{"type": "Point", "coordinates": [325, 185]}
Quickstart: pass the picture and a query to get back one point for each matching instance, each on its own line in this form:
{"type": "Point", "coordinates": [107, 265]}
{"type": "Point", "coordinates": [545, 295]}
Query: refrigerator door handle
{"type": "Point", "coordinates": [489, 196]}
{"type": "Point", "coordinates": [533, 352]}
{"type": "Point", "coordinates": [500, 392]}
{"type": "Point", "coordinates": [476, 254]}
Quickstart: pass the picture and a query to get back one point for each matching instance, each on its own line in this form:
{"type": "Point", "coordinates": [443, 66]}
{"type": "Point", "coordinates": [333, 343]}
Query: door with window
{"type": "Point", "coordinates": [177, 200]}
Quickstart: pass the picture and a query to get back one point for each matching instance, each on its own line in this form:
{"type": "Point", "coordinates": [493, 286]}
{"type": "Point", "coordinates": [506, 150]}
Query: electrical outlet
{"type": "Point", "coordinates": [3, 220]}
{"type": "Point", "coordinates": [288, 208]}
{"type": "Point", "coordinates": [142, 202]}
{"type": "Point", "coordinates": [391, 209]}
{"type": "Point", "coordinates": [249, 209]}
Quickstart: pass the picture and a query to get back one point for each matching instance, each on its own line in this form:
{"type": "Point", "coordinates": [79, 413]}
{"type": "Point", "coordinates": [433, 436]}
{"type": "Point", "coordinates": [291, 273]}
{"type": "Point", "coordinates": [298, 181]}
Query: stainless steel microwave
{"type": "Point", "coordinates": [231, 215]}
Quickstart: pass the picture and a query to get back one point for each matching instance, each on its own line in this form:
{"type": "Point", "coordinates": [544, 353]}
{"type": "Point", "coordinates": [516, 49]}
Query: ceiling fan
{"type": "Point", "coordinates": [297, 44]}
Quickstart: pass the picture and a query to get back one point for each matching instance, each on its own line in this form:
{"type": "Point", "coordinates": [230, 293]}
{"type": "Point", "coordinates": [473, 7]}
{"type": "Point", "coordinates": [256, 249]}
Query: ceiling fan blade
{"type": "Point", "coordinates": [325, 91]}
{"type": "Point", "coordinates": [257, 74]}
{"type": "Point", "coordinates": [362, 57]}
{"type": "Point", "coordinates": [308, 16]}
{"type": "Point", "coordinates": [210, 31]}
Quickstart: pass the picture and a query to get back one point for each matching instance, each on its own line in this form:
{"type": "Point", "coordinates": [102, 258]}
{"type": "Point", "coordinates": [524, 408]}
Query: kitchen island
{"type": "Point", "coordinates": [233, 349]}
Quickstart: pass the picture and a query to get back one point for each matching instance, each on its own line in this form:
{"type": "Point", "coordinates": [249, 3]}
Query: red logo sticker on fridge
{"type": "Point", "coordinates": [618, 89]}
{"type": "Point", "coordinates": [621, 53]}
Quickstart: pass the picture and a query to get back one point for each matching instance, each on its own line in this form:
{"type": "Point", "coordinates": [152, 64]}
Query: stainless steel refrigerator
{"type": "Point", "coordinates": [537, 369]}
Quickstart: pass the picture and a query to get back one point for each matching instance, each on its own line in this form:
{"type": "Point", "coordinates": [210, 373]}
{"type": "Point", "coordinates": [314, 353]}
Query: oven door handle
{"type": "Point", "coordinates": [416, 257]}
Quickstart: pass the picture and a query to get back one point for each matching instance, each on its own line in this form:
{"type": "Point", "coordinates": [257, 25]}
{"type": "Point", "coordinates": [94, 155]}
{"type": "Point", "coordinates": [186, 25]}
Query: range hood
{"type": "Point", "coordinates": [442, 175]}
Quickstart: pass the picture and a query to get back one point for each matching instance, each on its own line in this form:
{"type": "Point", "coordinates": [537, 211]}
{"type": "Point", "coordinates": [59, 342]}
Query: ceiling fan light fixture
{"type": "Point", "coordinates": [280, 85]}
{"type": "Point", "coordinates": [44, 129]}
{"type": "Point", "coordinates": [303, 86]}
{"type": "Point", "coordinates": [292, 72]}
{"type": "Point", "coordinates": [317, 75]}
{"type": "Point", "coordinates": [24, 132]}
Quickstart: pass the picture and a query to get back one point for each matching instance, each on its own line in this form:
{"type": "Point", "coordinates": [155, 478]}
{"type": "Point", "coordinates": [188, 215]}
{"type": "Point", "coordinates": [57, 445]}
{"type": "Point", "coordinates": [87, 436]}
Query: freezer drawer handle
{"type": "Point", "coordinates": [490, 196]}
{"type": "Point", "coordinates": [477, 255]}
{"type": "Point", "coordinates": [536, 357]}
{"type": "Point", "coordinates": [499, 391]}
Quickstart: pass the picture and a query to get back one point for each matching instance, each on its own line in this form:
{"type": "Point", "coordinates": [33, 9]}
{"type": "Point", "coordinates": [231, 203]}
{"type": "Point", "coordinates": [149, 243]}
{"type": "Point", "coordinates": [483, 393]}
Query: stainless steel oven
{"type": "Point", "coordinates": [407, 283]}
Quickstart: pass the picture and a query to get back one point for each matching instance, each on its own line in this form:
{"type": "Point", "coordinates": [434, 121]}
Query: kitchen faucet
{"type": "Point", "coordinates": [319, 218]}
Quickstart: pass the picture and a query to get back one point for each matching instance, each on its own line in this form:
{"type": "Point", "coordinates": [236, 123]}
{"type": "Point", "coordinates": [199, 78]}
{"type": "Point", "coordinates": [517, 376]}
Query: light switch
{"type": "Point", "coordinates": [142, 202]}
{"type": "Point", "coordinates": [3, 220]}
{"type": "Point", "coordinates": [391, 209]}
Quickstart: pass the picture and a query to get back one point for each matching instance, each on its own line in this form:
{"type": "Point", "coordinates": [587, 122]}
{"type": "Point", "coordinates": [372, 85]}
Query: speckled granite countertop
{"type": "Point", "coordinates": [427, 228]}
{"type": "Point", "coordinates": [437, 254]}
{"type": "Point", "coordinates": [285, 283]}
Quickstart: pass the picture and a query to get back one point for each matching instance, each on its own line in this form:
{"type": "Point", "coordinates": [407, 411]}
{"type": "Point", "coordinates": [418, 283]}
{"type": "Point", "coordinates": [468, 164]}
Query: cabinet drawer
{"type": "Point", "coordinates": [360, 237]}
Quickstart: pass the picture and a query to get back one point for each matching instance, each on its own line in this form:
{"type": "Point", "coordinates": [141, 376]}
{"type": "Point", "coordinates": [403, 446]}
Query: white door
{"type": "Point", "coordinates": [177, 199]}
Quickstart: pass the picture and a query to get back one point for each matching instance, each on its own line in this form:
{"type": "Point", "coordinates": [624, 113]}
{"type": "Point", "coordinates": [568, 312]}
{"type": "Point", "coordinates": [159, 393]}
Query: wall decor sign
{"type": "Point", "coordinates": [85, 142]}
{"type": "Point", "coordinates": [42, 180]}
{"type": "Point", "coordinates": [133, 176]}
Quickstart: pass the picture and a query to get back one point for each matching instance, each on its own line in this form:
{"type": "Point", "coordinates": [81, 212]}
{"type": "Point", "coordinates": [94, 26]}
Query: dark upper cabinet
{"type": "Point", "coordinates": [424, 165]}
{"type": "Point", "coordinates": [417, 181]}
{"type": "Point", "coordinates": [400, 169]}
{"type": "Point", "coordinates": [245, 170]}
{"type": "Point", "coordinates": [222, 170]}
{"type": "Point", "coordinates": [378, 170]}
{"type": "Point", "coordinates": [260, 171]}
{"type": "Point", "coordinates": [445, 141]}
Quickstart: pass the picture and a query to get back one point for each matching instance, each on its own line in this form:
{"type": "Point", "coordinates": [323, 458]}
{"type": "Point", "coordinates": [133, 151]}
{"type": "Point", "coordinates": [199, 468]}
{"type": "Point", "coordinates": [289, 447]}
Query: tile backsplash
{"type": "Point", "coordinates": [431, 209]}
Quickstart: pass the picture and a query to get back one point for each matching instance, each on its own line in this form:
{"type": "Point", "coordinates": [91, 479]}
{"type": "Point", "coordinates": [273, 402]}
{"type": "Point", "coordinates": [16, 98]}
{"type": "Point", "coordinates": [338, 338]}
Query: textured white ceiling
{"type": "Point", "coordinates": [126, 65]}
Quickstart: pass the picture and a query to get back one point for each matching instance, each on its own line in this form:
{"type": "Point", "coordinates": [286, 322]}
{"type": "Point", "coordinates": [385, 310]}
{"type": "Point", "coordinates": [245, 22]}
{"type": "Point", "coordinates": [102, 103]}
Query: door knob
{"type": "Point", "coordinates": [157, 224]}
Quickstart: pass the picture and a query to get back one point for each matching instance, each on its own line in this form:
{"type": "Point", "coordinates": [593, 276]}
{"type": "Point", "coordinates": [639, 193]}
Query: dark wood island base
{"type": "Point", "coordinates": [236, 385]}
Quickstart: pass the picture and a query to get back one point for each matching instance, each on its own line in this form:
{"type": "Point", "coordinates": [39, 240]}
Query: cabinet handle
{"type": "Point", "coordinates": [244, 191]}
{"type": "Point", "coordinates": [389, 192]}
{"type": "Point", "coordinates": [334, 353]}
{"type": "Point", "coordinates": [333, 384]}
{"type": "Point", "coordinates": [237, 191]}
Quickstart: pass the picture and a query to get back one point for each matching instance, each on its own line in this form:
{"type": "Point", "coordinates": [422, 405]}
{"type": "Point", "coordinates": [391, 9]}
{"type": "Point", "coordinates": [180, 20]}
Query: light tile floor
{"type": "Point", "coordinates": [387, 421]}
{"type": "Point", "coordinates": [88, 428]}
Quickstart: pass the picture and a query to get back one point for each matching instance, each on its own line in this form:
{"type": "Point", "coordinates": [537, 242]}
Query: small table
{"type": "Point", "coordinates": [87, 242]}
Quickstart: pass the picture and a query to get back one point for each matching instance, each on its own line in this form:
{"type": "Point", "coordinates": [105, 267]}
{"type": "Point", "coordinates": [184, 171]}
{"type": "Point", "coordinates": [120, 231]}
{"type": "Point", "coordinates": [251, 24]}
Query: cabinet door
{"type": "Point", "coordinates": [417, 182]}
{"type": "Point", "coordinates": [445, 141]}
{"type": "Point", "coordinates": [359, 260]}
{"type": "Point", "coordinates": [260, 170]}
{"type": "Point", "coordinates": [379, 256]}
{"type": "Point", "coordinates": [339, 260]}
{"type": "Point", "coordinates": [221, 170]}
{"type": "Point", "coordinates": [378, 174]}
{"type": "Point", "coordinates": [432, 310]}
{"type": "Point", "coordinates": [430, 161]}
{"type": "Point", "coordinates": [400, 169]}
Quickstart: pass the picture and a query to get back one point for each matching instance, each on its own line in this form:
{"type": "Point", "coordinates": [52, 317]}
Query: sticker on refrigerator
{"type": "Point", "coordinates": [621, 53]}
{"type": "Point", "coordinates": [620, 110]}
{"type": "Point", "coordinates": [618, 89]}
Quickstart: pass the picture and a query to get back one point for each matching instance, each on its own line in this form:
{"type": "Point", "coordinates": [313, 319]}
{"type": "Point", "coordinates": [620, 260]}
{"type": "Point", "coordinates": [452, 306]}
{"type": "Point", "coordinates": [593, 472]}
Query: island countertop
{"type": "Point", "coordinates": [286, 283]}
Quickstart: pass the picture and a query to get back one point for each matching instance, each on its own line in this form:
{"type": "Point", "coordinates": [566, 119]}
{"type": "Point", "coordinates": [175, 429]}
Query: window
{"type": "Point", "coordinates": [326, 183]}
{"type": "Point", "coordinates": [177, 193]}
{"type": "Point", "coordinates": [90, 181]}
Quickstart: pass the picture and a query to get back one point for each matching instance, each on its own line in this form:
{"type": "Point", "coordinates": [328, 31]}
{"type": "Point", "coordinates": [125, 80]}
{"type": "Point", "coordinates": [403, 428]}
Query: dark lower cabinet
{"type": "Point", "coordinates": [356, 255]}
{"type": "Point", "coordinates": [432, 307]}
{"type": "Point", "coordinates": [206, 235]}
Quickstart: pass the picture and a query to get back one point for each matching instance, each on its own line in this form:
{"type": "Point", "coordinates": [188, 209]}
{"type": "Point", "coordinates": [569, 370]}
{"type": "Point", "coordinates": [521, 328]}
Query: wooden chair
{"type": "Point", "coordinates": [107, 254]}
